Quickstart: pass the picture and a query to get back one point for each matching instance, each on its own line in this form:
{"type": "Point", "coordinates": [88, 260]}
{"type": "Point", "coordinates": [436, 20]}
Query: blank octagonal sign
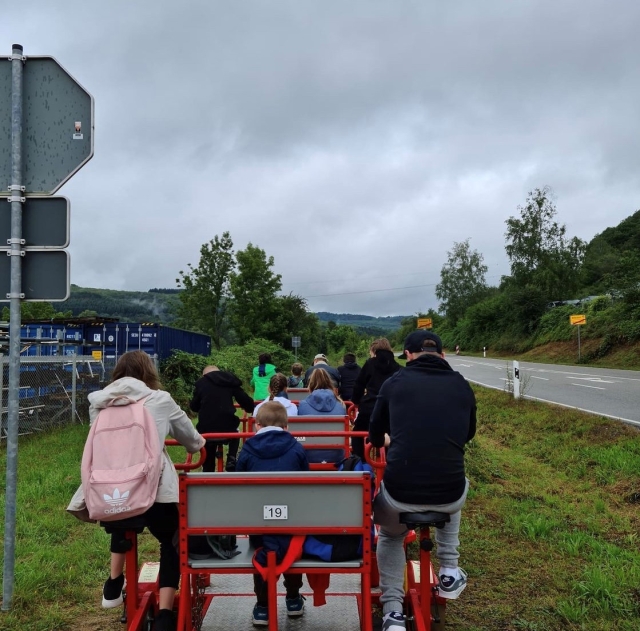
{"type": "Point", "coordinates": [57, 130]}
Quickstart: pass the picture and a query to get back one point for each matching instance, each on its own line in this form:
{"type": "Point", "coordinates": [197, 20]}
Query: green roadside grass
{"type": "Point", "coordinates": [549, 533]}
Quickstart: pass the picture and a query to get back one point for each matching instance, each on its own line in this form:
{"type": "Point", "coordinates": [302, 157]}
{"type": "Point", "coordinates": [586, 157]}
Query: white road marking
{"type": "Point", "coordinates": [596, 379]}
{"type": "Point", "coordinates": [543, 378]}
{"type": "Point", "coordinates": [582, 385]}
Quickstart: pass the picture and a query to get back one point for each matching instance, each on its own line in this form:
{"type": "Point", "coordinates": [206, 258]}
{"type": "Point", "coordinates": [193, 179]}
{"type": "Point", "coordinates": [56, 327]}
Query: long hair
{"type": "Point", "coordinates": [137, 364]}
{"type": "Point", "coordinates": [320, 380]}
{"type": "Point", "coordinates": [277, 384]}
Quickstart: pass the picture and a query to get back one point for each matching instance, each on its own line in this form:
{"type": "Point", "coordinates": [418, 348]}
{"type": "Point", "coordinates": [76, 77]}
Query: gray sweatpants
{"type": "Point", "coordinates": [390, 551]}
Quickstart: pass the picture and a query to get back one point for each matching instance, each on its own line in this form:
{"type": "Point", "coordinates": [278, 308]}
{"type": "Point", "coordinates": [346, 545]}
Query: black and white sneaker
{"type": "Point", "coordinates": [393, 621]}
{"type": "Point", "coordinates": [112, 592]}
{"type": "Point", "coordinates": [451, 587]}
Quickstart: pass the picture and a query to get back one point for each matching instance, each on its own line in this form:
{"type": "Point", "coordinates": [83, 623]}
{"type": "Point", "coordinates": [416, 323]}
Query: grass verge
{"type": "Point", "coordinates": [549, 533]}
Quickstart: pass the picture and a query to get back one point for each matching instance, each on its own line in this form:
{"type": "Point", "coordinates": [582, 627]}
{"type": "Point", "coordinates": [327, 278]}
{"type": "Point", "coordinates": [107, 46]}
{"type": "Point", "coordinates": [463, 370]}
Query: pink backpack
{"type": "Point", "coordinates": [122, 462]}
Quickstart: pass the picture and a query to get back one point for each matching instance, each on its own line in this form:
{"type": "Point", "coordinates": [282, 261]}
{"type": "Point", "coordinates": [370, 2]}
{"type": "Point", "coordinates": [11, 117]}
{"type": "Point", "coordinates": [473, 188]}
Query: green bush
{"type": "Point", "coordinates": [181, 371]}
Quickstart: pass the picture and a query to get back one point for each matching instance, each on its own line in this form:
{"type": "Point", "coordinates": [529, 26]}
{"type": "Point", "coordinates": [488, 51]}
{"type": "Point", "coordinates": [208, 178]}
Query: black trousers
{"type": "Point", "coordinates": [361, 425]}
{"type": "Point", "coordinates": [162, 522]}
{"type": "Point", "coordinates": [213, 447]}
{"type": "Point", "coordinates": [292, 583]}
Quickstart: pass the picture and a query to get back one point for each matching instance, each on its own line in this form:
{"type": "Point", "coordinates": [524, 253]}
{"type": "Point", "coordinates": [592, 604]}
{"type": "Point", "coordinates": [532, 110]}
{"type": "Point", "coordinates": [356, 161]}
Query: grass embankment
{"type": "Point", "coordinates": [549, 534]}
{"type": "Point", "coordinates": [625, 357]}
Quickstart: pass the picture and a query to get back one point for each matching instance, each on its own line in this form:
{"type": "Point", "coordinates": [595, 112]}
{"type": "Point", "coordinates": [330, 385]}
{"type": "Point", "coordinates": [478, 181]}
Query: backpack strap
{"type": "Point", "coordinates": [293, 554]}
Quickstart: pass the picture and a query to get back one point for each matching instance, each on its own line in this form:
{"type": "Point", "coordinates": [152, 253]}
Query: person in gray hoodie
{"type": "Point", "coordinates": [322, 399]}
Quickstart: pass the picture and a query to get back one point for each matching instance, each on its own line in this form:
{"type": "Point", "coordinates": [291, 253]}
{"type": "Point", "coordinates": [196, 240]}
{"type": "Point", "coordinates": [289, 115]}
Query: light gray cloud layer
{"type": "Point", "coordinates": [353, 141]}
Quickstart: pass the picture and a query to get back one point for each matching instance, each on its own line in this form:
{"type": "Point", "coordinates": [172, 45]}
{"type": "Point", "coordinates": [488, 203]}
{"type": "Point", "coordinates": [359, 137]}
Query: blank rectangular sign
{"type": "Point", "coordinates": [45, 222]}
{"type": "Point", "coordinates": [45, 275]}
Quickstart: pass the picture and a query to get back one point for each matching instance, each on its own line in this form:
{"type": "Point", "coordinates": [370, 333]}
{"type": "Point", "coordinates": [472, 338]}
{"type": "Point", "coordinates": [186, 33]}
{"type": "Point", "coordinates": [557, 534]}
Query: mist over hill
{"type": "Point", "coordinates": [160, 305]}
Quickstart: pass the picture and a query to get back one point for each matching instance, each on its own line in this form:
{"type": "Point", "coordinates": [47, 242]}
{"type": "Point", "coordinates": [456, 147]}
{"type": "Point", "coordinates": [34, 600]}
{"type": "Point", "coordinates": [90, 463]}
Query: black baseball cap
{"type": "Point", "coordinates": [415, 342]}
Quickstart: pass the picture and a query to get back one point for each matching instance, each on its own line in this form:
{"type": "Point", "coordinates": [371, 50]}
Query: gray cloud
{"type": "Point", "coordinates": [353, 141]}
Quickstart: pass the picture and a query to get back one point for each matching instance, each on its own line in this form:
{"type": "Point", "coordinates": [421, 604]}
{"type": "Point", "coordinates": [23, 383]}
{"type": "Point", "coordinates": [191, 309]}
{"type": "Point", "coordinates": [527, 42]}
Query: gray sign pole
{"type": "Point", "coordinates": [14, 327]}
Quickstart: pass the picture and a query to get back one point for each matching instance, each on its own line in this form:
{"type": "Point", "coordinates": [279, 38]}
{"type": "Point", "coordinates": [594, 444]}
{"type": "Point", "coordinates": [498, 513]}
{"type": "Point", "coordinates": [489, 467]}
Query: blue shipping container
{"type": "Point", "coordinates": [115, 338]}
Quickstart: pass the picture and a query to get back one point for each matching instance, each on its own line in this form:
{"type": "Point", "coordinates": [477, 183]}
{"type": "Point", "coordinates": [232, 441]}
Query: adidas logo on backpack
{"type": "Point", "coordinates": [121, 462]}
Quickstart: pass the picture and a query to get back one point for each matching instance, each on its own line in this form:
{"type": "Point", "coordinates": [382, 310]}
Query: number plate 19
{"type": "Point", "coordinates": [275, 512]}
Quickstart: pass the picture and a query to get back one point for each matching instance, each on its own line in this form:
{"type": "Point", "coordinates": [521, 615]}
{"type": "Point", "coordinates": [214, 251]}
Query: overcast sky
{"type": "Point", "coordinates": [353, 140]}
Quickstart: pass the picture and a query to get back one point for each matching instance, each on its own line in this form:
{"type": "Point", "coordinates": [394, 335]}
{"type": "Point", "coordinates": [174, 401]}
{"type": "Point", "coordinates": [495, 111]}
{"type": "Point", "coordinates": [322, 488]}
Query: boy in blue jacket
{"type": "Point", "coordinates": [273, 449]}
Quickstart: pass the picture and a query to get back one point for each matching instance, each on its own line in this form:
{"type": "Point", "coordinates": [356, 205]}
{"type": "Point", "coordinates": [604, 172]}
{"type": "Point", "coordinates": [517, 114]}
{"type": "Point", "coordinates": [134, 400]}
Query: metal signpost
{"type": "Point", "coordinates": [46, 135]}
{"type": "Point", "coordinates": [578, 320]}
{"type": "Point", "coordinates": [295, 343]}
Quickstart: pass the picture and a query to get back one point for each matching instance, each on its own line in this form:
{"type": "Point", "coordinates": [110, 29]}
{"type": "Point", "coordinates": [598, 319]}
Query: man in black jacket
{"type": "Point", "coordinates": [213, 401]}
{"type": "Point", "coordinates": [426, 413]}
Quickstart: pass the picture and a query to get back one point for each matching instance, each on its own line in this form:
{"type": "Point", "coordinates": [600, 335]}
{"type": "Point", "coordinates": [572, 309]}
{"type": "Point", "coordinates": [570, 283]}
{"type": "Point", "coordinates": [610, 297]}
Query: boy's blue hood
{"type": "Point", "coordinates": [269, 445]}
{"type": "Point", "coordinates": [322, 400]}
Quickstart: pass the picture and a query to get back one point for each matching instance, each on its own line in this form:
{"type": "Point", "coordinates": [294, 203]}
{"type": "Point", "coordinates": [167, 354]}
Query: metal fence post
{"type": "Point", "coordinates": [74, 386]}
{"type": "Point", "coordinates": [15, 296]}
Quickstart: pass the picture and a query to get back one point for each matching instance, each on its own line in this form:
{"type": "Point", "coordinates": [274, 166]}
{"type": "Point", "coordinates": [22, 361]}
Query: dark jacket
{"type": "Point", "coordinates": [321, 402]}
{"type": "Point", "coordinates": [335, 375]}
{"type": "Point", "coordinates": [374, 373]}
{"type": "Point", "coordinates": [213, 401]}
{"type": "Point", "coordinates": [348, 374]}
{"type": "Point", "coordinates": [272, 450]}
{"type": "Point", "coordinates": [429, 411]}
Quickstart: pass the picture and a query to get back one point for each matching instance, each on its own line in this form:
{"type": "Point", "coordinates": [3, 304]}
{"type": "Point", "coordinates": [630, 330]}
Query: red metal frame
{"type": "Point", "coordinates": [141, 597]}
{"type": "Point", "coordinates": [364, 529]}
{"type": "Point", "coordinates": [422, 593]}
{"type": "Point", "coordinates": [342, 445]}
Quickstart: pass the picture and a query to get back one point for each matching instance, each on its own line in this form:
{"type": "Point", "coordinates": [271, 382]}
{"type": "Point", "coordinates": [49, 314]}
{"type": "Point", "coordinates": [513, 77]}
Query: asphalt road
{"type": "Point", "coordinates": [610, 393]}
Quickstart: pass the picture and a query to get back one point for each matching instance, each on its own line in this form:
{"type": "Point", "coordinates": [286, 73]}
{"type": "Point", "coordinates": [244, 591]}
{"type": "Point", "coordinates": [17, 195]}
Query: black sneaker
{"type": "Point", "coordinates": [231, 464]}
{"type": "Point", "coordinates": [165, 621]}
{"type": "Point", "coordinates": [112, 592]}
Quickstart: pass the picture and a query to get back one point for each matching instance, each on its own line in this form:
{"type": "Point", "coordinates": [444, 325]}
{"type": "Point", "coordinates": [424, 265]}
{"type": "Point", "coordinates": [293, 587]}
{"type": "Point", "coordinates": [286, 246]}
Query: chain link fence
{"type": "Point", "coordinates": [53, 390]}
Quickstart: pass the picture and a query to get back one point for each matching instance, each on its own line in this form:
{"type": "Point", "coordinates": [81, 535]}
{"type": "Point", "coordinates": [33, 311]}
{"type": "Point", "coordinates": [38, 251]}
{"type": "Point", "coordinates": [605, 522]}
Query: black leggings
{"type": "Point", "coordinates": [162, 522]}
{"type": "Point", "coordinates": [210, 464]}
{"type": "Point", "coordinates": [361, 425]}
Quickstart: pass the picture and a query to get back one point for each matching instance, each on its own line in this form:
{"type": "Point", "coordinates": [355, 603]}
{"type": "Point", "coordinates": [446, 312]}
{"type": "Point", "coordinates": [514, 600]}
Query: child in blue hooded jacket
{"type": "Point", "coordinates": [273, 449]}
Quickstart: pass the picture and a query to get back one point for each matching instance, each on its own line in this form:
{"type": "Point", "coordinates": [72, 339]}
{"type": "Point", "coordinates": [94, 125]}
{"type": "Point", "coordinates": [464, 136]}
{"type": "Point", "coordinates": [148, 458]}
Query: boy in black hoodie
{"type": "Point", "coordinates": [349, 372]}
{"type": "Point", "coordinates": [213, 401]}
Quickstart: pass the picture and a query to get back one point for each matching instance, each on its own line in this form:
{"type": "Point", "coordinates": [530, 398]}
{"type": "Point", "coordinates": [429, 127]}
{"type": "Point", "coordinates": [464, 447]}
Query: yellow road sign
{"type": "Point", "coordinates": [425, 323]}
{"type": "Point", "coordinates": [577, 319]}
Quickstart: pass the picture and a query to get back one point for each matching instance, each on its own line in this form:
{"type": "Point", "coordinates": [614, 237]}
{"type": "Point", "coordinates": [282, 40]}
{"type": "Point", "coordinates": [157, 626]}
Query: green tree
{"type": "Point", "coordinates": [462, 281]}
{"type": "Point", "coordinates": [540, 253]}
{"type": "Point", "coordinates": [254, 309]}
{"type": "Point", "coordinates": [205, 296]}
{"type": "Point", "coordinates": [295, 319]}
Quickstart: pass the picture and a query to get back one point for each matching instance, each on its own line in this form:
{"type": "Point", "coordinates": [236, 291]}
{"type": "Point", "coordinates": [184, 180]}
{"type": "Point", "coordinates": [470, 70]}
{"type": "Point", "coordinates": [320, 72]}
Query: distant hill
{"type": "Point", "coordinates": [370, 325]}
{"type": "Point", "coordinates": [159, 305]}
{"type": "Point", "coordinates": [129, 306]}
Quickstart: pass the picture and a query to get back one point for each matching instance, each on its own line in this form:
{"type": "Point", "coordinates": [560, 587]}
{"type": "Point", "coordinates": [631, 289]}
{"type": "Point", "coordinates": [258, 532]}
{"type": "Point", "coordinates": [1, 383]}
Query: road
{"type": "Point", "coordinates": [610, 393]}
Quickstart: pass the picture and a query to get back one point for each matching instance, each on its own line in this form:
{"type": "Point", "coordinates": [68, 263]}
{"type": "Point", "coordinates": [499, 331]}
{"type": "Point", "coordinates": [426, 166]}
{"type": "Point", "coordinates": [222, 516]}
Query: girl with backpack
{"type": "Point", "coordinates": [135, 379]}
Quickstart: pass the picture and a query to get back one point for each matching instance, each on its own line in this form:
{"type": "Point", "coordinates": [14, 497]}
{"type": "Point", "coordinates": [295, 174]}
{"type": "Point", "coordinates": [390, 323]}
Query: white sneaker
{"type": "Point", "coordinates": [451, 587]}
{"type": "Point", "coordinates": [393, 621]}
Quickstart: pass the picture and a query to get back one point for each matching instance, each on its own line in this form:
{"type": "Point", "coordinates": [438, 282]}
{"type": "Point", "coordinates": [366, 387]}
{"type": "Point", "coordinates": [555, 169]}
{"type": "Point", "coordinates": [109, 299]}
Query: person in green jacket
{"type": "Point", "coordinates": [261, 376]}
